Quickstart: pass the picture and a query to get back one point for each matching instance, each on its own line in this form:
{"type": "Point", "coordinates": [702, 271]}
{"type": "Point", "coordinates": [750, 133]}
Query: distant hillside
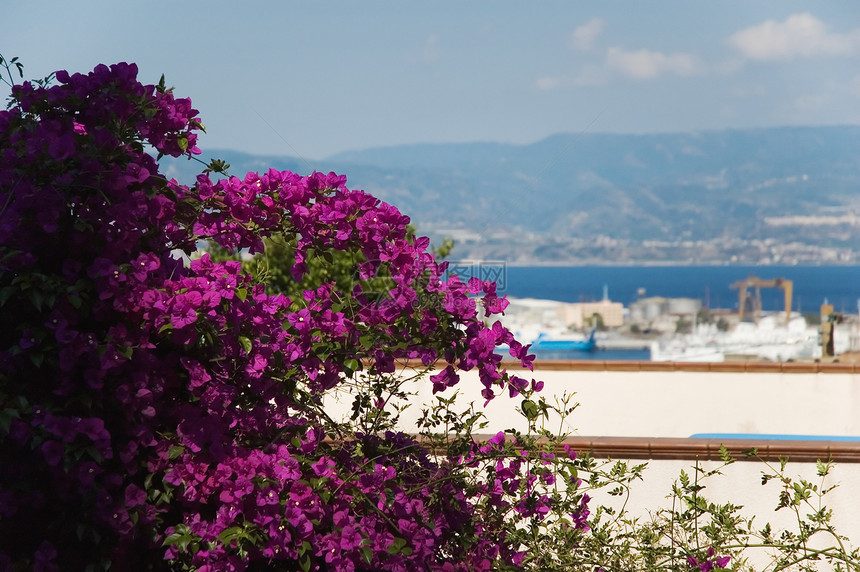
{"type": "Point", "coordinates": [561, 198]}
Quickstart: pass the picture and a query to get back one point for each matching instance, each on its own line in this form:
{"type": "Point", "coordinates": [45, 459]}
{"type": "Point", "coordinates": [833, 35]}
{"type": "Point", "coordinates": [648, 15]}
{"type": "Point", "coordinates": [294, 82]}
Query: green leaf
{"type": "Point", "coordinates": [6, 417]}
{"type": "Point", "coordinates": [396, 547]}
{"type": "Point", "coordinates": [175, 451]}
{"type": "Point", "coordinates": [36, 298]}
{"type": "Point", "coordinates": [246, 344]}
{"type": "Point", "coordinates": [5, 293]}
{"type": "Point", "coordinates": [182, 142]}
{"type": "Point", "coordinates": [352, 365]}
{"type": "Point", "coordinates": [95, 454]}
{"type": "Point", "coordinates": [173, 538]}
{"type": "Point", "coordinates": [530, 409]}
{"type": "Point", "coordinates": [37, 359]}
{"type": "Point", "coordinates": [218, 165]}
{"type": "Point", "coordinates": [241, 293]}
{"type": "Point", "coordinates": [230, 534]}
{"type": "Point", "coordinates": [367, 554]}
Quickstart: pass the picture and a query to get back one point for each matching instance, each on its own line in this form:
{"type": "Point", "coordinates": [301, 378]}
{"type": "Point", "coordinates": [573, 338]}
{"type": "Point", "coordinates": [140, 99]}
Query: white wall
{"type": "Point", "coordinates": [676, 403]}
{"type": "Point", "coordinates": [740, 484]}
{"type": "Point", "coordinates": [681, 403]}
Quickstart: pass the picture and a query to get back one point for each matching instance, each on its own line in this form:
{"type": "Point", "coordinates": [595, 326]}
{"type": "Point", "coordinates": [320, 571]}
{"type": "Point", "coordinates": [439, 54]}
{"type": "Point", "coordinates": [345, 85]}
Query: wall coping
{"type": "Point", "coordinates": [666, 366]}
{"type": "Point", "coordinates": [708, 449]}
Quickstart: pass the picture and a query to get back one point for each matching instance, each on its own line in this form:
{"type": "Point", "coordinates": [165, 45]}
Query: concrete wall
{"type": "Point", "coordinates": [670, 403]}
{"type": "Point", "coordinates": [677, 403]}
{"type": "Point", "coordinates": [740, 484]}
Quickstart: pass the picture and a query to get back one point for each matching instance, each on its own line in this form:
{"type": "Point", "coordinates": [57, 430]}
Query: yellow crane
{"type": "Point", "coordinates": [757, 284]}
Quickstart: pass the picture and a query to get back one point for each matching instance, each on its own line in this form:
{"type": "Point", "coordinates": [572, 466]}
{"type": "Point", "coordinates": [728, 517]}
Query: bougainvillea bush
{"type": "Point", "coordinates": [165, 410]}
{"type": "Point", "coordinates": [158, 412]}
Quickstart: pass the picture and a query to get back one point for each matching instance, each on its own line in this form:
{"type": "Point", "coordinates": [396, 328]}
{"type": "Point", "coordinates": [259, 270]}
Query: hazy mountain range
{"type": "Point", "coordinates": [778, 195]}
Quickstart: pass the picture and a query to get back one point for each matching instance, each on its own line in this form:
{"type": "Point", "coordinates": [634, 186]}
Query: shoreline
{"type": "Point", "coordinates": [645, 264]}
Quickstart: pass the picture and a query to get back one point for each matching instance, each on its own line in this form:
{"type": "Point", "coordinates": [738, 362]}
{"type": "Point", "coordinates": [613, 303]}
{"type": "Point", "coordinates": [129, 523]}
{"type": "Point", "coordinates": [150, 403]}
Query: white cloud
{"type": "Point", "coordinates": [729, 67]}
{"type": "Point", "coordinates": [747, 91]}
{"type": "Point", "coordinates": [800, 35]}
{"type": "Point", "coordinates": [813, 102]}
{"type": "Point", "coordinates": [645, 64]}
{"type": "Point", "coordinates": [582, 38]}
{"type": "Point", "coordinates": [427, 54]}
{"type": "Point", "coordinates": [588, 76]}
{"type": "Point", "coordinates": [548, 83]}
{"type": "Point", "coordinates": [431, 49]}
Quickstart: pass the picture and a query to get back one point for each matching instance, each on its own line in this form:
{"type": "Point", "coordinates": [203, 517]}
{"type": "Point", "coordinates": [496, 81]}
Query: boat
{"type": "Point", "coordinates": [769, 340]}
{"type": "Point", "coordinates": [546, 341]}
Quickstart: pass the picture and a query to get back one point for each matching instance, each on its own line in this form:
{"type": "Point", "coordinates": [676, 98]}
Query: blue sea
{"type": "Point", "coordinates": [838, 285]}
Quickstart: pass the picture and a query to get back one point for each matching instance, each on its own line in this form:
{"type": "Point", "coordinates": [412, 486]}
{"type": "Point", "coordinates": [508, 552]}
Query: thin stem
{"type": "Point", "coordinates": [6, 65]}
{"type": "Point", "coordinates": [696, 505]}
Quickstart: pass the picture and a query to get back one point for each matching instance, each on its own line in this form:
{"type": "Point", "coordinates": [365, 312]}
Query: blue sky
{"type": "Point", "coordinates": [315, 78]}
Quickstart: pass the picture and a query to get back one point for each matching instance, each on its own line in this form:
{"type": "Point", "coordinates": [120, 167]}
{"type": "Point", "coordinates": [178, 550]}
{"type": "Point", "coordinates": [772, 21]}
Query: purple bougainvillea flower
{"type": "Point", "coordinates": [444, 379]}
{"type": "Point", "coordinates": [62, 147]}
{"type": "Point", "coordinates": [45, 556]}
{"type": "Point", "coordinates": [135, 173]}
{"type": "Point", "coordinates": [134, 496]}
{"type": "Point", "coordinates": [28, 340]}
{"type": "Point", "coordinates": [182, 313]}
{"type": "Point", "coordinates": [53, 452]}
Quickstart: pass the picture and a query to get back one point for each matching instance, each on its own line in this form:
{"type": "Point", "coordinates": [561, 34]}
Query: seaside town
{"type": "Point", "coordinates": [527, 247]}
{"type": "Point", "coordinates": [685, 330]}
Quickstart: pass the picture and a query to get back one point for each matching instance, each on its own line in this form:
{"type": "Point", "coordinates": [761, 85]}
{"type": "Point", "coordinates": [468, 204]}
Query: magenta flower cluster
{"type": "Point", "coordinates": [710, 562]}
{"type": "Point", "coordinates": [156, 414]}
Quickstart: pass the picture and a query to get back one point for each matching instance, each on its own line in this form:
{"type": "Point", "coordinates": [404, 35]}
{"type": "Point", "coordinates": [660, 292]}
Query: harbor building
{"type": "Point", "coordinates": [577, 315]}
